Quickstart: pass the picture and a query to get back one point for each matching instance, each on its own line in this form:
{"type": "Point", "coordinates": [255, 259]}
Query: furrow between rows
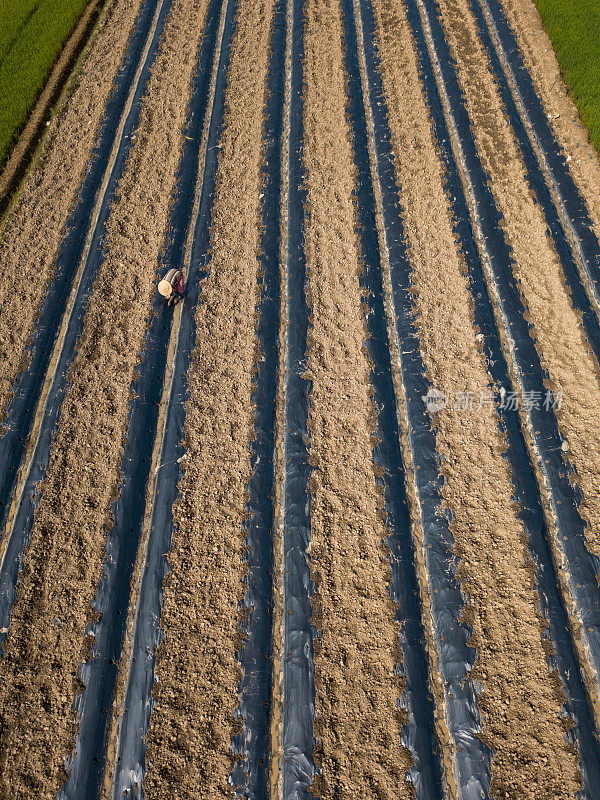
{"type": "Point", "coordinates": [418, 733]}
{"type": "Point", "coordinates": [361, 743]}
{"type": "Point", "coordinates": [196, 516]}
{"type": "Point", "coordinates": [252, 745]}
{"type": "Point", "coordinates": [134, 713]}
{"type": "Point", "coordinates": [295, 586]}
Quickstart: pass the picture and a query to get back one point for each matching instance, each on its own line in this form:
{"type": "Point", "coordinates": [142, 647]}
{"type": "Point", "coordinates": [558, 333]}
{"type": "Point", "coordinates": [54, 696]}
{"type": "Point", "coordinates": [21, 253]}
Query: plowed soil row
{"type": "Point", "coordinates": [189, 740]}
{"type": "Point", "coordinates": [62, 565]}
{"type": "Point", "coordinates": [520, 700]}
{"type": "Point", "coordinates": [34, 227]}
{"type": "Point", "coordinates": [358, 721]}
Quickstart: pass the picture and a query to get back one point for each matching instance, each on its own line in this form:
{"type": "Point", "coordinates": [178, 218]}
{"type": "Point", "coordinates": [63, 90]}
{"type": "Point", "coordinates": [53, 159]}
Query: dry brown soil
{"type": "Point", "coordinates": [189, 741]}
{"type": "Point", "coordinates": [45, 643]}
{"type": "Point", "coordinates": [520, 701]}
{"type": "Point", "coordinates": [22, 151]}
{"type": "Point", "coordinates": [564, 350]}
{"type": "Point", "coordinates": [358, 721]}
{"type": "Point", "coordinates": [357, 716]}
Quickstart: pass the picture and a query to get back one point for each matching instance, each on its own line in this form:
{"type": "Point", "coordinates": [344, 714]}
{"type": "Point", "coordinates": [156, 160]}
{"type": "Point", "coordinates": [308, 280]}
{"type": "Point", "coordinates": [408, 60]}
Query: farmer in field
{"type": "Point", "coordinates": [171, 286]}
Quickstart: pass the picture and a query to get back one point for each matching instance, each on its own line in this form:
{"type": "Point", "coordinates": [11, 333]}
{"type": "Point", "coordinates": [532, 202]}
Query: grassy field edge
{"type": "Point", "coordinates": [31, 40]}
{"type": "Point", "coordinates": [59, 83]}
{"type": "Point", "coordinates": [574, 30]}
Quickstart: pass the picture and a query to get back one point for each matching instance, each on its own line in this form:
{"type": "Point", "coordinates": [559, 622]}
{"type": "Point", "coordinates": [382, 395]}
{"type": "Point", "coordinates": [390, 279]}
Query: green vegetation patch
{"type": "Point", "coordinates": [32, 34]}
{"type": "Point", "coordinates": [574, 28]}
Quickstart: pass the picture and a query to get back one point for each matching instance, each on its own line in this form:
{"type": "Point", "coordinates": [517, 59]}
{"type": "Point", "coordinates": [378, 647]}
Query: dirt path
{"type": "Point", "coordinates": [45, 644]}
{"type": "Point", "coordinates": [189, 741]}
{"type": "Point", "coordinates": [33, 228]}
{"type": "Point", "coordinates": [503, 607]}
{"type": "Point", "coordinates": [357, 720]}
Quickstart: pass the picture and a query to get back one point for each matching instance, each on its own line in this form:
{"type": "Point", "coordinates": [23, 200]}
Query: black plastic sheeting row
{"type": "Point", "coordinates": [133, 727]}
{"type": "Point", "coordinates": [527, 359]}
{"type": "Point", "coordinates": [111, 604]}
{"type": "Point", "coordinates": [571, 201]}
{"type": "Point", "coordinates": [21, 410]}
{"type": "Point", "coordinates": [250, 776]}
{"type": "Point", "coordinates": [418, 734]}
{"type": "Point", "coordinates": [298, 689]}
{"type": "Point", "coordinates": [455, 657]}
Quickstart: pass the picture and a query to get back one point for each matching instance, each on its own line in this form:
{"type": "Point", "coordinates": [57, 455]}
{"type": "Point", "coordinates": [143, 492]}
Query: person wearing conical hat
{"type": "Point", "coordinates": [171, 286]}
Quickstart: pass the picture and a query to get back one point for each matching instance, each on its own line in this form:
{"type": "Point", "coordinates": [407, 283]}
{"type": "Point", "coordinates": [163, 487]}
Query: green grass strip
{"type": "Point", "coordinates": [32, 34]}
{"type": "Point", "coordinates": [574, 28]}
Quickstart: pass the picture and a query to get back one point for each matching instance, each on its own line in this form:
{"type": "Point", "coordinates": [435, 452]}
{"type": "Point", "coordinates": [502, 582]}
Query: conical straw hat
{"type": "Point", "coordinates": [165, 288]}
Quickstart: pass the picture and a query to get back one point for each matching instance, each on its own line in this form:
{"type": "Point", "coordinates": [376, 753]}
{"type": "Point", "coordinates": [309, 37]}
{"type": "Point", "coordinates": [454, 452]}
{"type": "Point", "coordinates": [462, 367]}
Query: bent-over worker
{"type": "Point", "coordinates": [171, 286]}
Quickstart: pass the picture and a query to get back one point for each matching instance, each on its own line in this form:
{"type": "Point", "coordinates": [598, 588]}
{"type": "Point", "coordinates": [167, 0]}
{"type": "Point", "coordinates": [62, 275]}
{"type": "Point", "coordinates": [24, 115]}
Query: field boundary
{"type": "Point", "coordinates": [19, 158]}
{"type": "Point", "coordinates": [578, 77]}
{"type": "Point", "coordinates": [542, 153]}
